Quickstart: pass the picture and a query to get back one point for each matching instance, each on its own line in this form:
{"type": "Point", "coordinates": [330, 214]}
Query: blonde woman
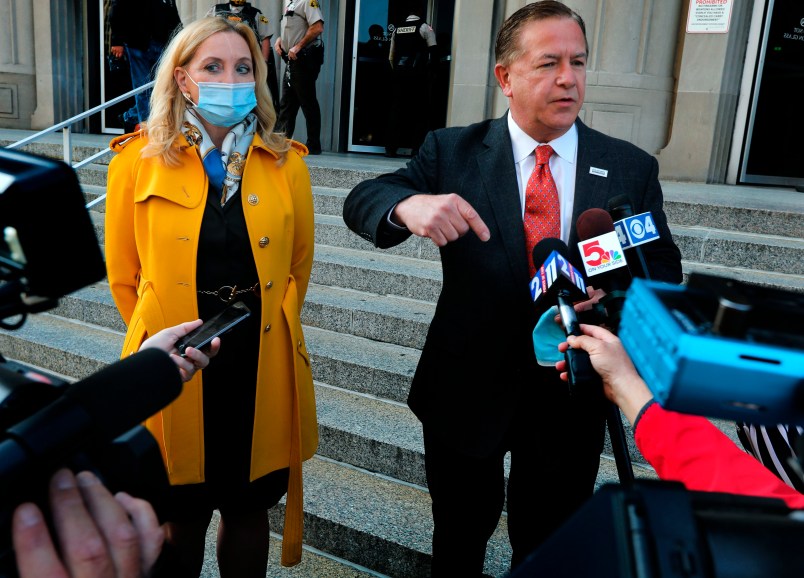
{"type": "Point", "coordinates": [207, 206]}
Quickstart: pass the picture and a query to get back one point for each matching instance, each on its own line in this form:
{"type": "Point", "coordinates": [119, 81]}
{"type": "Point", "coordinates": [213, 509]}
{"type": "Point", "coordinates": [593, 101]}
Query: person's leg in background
{"type": "Point", "coordinates": [273, 85]}
{"type": "Point", "coordinates": [303, 77]}
{"type": "Point", "coordinates": [289, 104]}
{"type": "Point", "coordinates": [142, 63]}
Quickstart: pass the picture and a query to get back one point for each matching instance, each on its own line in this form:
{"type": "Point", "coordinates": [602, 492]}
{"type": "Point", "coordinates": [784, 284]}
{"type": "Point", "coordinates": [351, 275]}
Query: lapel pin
{"type": "Point", "coordinates": [599, 172]}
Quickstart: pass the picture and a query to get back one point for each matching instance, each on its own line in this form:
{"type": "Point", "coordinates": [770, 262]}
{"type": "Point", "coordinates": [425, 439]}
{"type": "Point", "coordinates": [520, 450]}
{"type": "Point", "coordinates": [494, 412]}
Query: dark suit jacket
{"type": "Point", "coordinates": [478, 364]}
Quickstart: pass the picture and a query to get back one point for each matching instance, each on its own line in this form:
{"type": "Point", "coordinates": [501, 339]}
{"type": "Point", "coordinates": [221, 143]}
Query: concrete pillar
{"type": "Point", "coordinates": [472, 79]}
{"type": "Point", "coordinates": [710, 73]}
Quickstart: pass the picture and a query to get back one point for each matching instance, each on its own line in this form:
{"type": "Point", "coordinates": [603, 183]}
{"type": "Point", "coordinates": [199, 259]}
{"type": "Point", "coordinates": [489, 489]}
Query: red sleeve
{"type": "Point", "coordinates": [691, 450]}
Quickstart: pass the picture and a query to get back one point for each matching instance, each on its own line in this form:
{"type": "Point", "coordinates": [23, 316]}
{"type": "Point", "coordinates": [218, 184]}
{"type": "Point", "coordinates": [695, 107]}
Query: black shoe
{"type": "Point", "coordinates": [314, 151]}
{"type": "Point", "coordinates": [391, 154]}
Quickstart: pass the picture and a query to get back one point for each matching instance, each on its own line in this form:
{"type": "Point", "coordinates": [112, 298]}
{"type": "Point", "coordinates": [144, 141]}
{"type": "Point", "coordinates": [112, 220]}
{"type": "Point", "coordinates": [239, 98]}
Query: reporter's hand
{"type": "Point", "coordinates": [440, 218]}
{"type": "Point", "coordinates": [117, 51]}
{"type": "Point", "coordinates": [194, 359]}
{"type": "Point", "coordinates": [99, 535]}
{"type": "Point", "coordinates": [621, 382]}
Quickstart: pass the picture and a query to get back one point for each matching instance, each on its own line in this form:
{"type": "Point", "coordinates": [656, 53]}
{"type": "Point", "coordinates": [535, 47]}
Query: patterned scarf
{"type": "Point", "coordinates": [224, 167]}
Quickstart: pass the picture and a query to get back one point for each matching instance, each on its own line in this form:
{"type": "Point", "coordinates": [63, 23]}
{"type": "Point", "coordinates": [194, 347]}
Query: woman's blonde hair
{"type": "Point", "coordinates": [168, 104]}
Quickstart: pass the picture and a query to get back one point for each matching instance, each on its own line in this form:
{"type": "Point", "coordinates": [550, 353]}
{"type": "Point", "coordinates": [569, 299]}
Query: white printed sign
{"type": "Point", "coordinates": [709, 16]}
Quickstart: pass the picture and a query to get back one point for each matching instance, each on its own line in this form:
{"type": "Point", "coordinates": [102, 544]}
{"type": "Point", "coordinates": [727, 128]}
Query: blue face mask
{"type": "Point", "coordinates": [224, 104]}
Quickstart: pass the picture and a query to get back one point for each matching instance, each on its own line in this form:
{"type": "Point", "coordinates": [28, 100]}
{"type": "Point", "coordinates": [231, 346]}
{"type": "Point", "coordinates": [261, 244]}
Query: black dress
{"type": "Point", "coordinates": [229, 382]}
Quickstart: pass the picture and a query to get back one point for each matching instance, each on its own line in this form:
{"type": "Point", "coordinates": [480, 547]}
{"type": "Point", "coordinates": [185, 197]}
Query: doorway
{"type": "Point", "coordinates": [371, 81]}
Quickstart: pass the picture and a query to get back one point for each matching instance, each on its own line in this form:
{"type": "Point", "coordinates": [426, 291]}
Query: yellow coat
{"type": "Point", "coordinates": [153, 220]}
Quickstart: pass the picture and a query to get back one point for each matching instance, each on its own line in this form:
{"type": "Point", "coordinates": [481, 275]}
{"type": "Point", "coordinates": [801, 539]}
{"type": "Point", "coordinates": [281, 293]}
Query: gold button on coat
{"type": "Point", "coordinates": [269, 284]}
{"type": "Point", "coordinates": [267, 328]}
{"type": "Point", "coordinates": [253, 199]}
{"type": "Point", "coordinates": [264, 242]}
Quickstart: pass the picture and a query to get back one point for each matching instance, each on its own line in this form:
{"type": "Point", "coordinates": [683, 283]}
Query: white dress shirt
{"type": "Point", "coordinates": [562, 165]}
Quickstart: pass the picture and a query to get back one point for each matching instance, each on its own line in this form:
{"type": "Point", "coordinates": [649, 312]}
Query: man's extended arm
{"type": "Point", "coordinates": [418, 208]}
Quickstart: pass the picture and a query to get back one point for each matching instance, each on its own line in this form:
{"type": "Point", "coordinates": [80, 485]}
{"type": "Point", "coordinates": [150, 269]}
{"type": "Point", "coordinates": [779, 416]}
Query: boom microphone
{"type": "Point", "coordinates": [604, 261]}
{"type": "Point", "coordinates": [90, 413]}
{"type": "Point", "coordinates": [632, 231]}
{"type": "Point", "coordinates": [556, 279]}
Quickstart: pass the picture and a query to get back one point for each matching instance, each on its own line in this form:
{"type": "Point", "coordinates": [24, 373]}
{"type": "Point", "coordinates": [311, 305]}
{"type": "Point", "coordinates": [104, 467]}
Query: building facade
{"type": "Point", "coordinates": [679, 78]}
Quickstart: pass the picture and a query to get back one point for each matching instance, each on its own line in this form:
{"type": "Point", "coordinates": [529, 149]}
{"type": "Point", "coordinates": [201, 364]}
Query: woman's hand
{"type": "Point", "coordinates": [194, 359]}
{"type": "Point", "coordinates": [621, 382]}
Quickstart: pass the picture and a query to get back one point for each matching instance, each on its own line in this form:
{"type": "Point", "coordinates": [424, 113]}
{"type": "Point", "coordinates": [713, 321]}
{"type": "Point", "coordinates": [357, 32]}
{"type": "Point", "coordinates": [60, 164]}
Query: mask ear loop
{"type": "Point", "coordinates": [186, 95]}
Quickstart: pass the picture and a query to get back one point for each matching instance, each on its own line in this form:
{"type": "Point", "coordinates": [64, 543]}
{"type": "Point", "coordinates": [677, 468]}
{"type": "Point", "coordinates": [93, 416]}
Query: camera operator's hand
{"type": "Point", "coordinates": [621, 382]}
{"type": "Point", "coordinates": [99, 535]}
{"type": "Point", "coordinates": [194, 359]}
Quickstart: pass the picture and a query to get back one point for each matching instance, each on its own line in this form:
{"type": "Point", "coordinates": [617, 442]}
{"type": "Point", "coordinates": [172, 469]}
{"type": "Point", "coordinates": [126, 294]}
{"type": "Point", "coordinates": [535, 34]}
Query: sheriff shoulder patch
{"type": "Point", "coordinates": [314, 4]}
{"type": "Point", "coordinates": [263, 19]}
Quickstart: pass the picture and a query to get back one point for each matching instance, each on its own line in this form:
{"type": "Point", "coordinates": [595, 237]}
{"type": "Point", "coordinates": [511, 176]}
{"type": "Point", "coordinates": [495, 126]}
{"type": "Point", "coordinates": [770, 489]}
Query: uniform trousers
{"type": "Point", "coordinates": [555, 451]}
{"type": "Point", "coordinates": [300, 93]}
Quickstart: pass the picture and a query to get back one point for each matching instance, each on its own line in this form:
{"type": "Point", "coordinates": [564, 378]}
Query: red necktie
{"type": "Point", "coordinates": [542, 210]}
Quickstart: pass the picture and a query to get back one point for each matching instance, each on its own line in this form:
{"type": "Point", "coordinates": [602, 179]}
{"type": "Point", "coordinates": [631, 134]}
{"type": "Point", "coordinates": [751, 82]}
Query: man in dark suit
{"type": "Point", "coordinates": [478, 390]}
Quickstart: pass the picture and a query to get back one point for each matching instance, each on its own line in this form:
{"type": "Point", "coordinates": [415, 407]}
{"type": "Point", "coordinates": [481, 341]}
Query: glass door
{"type": "Point", "coordinates": [372, 86]}
{"type": "Point", "coordinates": [370, 76]}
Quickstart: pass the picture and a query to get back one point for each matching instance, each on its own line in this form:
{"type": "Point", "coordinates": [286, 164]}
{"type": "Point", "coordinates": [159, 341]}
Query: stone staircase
{"type": "Point", "coordinates": [367, 512]}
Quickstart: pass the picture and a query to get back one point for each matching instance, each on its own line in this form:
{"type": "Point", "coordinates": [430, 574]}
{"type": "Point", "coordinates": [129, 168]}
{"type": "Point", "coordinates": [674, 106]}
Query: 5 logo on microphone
{"type": "Point", "coordinates": [555, 267]}
{"type": "Point", "coordinates": [601, 254]}
{"type": "Point", "coordinates": [636, 230]}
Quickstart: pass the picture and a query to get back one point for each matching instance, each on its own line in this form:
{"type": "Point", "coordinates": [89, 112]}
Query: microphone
{"type": "Point", "coordinates": [556, 279]}
{"type": "Point", "coordinates": [604, 260]}
{"type": "Point", "coordinates": [90, 413]}
{"type": "Point", "coordinates": [555, 273]}
{"type": "Point", "coordinates": [632, 231]}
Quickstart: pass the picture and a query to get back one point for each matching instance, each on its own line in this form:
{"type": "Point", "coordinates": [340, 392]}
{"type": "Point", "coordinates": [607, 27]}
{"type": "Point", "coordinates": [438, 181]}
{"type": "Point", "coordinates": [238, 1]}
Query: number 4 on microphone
{"type": "Point", "coordinates": [636, 230]}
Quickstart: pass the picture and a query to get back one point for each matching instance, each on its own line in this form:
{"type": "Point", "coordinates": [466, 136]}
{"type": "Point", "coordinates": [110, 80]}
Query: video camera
{"type": "Point", "coordinates": [45, 423]}
{"type": "Point", "coordinates": [719, 348]}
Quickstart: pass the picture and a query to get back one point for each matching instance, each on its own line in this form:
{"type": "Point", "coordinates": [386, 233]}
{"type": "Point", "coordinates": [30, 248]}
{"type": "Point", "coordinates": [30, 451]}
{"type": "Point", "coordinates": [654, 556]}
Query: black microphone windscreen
{"type": "Point", "coordinates": [546, 246]}
{"type": "Point", "coordinates": [593, 223]}
{"type": "Point", "coordinates": [621, 204]}
{"type": "Point", "coordinates": [125, 393]}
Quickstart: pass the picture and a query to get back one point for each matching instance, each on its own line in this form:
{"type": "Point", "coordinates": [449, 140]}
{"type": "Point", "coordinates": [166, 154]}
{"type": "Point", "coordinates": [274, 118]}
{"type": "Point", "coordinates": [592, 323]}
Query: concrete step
{"type": "Point", "coordinates": [381, 273]}
{"type": "Point", "coordinates": [371, 433]}
{"type": "Point", "coordinates": [329, 200]}
{"type": "Point", "coordinates": [331, 230]}
{"type": "Point", "coordinates": [385, 525]}
{"type": "Point", "coordinates": [91, 193]}
{"type": "Point", "coordinates": [770, 279]}
{"type": "Point", "coordinates": [61, 345]}
{"type": "Point", "coordinates": [375, 522]}
{"type": "Point", "coordinates": [314, 563]}
{"type": "Point", "coordinates": [348, 360]}
{"type": "Point", "coordinates": [94, 174]}
{"type": "Point", "coordinates": [361, 365]}
{"type": "Point", "coordinates": [386, 319]}
{"type": "Point", "coordinates": [738, 249]}
{"type": "Point", "coordinates": [382, 318]}
{"type": "Point", "coordinates": [761, 210]}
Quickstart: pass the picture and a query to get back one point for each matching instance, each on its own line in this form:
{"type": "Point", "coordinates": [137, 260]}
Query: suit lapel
{"type": "Point", "coordinates": [498, 175]}
{"type": "Point", "coordinates": [591, 187]}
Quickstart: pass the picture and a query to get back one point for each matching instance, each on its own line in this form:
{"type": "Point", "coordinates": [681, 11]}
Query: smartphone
{"type": "Point", "coordinates": [214, 327]}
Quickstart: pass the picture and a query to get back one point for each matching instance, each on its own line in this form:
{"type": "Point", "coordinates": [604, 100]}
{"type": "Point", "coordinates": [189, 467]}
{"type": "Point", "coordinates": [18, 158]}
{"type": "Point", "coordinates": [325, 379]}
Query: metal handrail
{"type": "Point", "coordinates": [64, 126]}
